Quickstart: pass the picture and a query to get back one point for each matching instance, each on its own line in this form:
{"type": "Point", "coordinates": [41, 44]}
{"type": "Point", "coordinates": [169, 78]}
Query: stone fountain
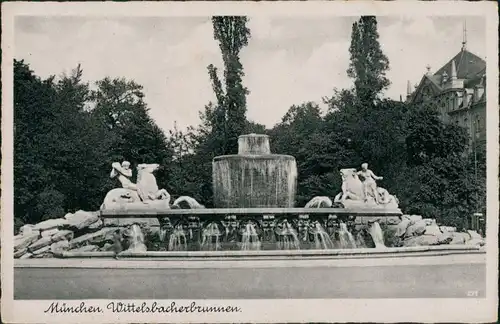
{"type": "Point", "coordinates": [254, 178]}
{"type": "Point", "coordinates": [254, 197]}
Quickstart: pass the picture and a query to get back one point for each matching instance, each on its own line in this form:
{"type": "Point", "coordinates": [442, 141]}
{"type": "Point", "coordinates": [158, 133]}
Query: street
{"type": "Point", "coordinates": [262, 281]}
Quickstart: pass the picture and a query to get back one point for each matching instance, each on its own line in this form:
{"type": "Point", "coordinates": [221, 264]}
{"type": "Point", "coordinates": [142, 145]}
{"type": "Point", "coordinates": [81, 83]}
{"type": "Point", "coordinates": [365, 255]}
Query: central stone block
{"type": "Point", "coordinates": [254, 177]}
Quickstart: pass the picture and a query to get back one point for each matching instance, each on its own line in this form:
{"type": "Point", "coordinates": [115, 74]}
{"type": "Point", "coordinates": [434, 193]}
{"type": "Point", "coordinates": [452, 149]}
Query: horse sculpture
{"type": "Point", "coordinates": [144, 193]}
{"type": "Point", "coordinates": [353, 193]}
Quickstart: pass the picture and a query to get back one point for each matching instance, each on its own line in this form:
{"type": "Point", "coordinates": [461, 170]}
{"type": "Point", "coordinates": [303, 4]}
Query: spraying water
{"type": "Point", "coordinates": [135, 239]}
{"type": "Point", "coordinates": [211, 237]}
{"type": "Point", "coordinates": [321, 238]}
{"type": "Point", "coordinates": [360, 240]}
{"type": "Point", "coordinates": [287, 237]}
{"type": "Point", "coordinates": [377, 235]}
{"type": "Point", "coordinates": [250, 238]}
{"type": "Point", "coordinates": [254, 177]}
{"type": "Point", "coordinates": [346, 240]}
{"type": "Point", "coordinates": [178, 240]}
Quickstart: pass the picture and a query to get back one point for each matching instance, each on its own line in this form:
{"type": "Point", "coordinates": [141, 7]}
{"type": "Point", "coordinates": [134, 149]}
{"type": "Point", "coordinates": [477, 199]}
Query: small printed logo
{"type": "Point", "coordinates": [472, 293]}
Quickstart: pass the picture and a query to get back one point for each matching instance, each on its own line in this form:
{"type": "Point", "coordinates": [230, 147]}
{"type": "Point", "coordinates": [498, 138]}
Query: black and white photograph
{"type": "Point", "coordinates": [221, 163]}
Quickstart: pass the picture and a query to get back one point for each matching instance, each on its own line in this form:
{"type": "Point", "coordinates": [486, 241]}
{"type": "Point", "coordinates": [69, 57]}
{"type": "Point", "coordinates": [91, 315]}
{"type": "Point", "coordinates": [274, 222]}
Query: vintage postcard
{"type": "Point", "coordinates": [226, 162]}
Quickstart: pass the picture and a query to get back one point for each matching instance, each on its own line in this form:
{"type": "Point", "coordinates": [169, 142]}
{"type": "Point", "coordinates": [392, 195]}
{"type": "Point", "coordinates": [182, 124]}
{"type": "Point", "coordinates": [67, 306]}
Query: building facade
{"type": "Point", "coordinates": [458, 91]}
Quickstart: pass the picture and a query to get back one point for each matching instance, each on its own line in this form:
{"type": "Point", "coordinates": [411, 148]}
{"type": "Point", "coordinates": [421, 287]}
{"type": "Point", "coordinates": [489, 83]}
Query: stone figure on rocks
{"type": "Point", "coordinates": [135, 195]}
{"type": "Point", "coordinates": [363, 194]}
{"type": "Point", "coordinates": [124, 173]}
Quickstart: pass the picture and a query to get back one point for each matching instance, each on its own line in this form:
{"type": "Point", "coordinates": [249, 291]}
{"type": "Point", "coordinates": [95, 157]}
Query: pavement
{"type": "Point", "coordinates": [447, 276]}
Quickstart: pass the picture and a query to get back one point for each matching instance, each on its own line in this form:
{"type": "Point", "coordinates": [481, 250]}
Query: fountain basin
{"type": "Point", "coordinates": [254, 181]}
{"type": "Point", "coordinates": [254, 177]}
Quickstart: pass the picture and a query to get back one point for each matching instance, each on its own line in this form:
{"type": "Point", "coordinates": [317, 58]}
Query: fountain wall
{"type": "Point", "coordinates": [254, 177]}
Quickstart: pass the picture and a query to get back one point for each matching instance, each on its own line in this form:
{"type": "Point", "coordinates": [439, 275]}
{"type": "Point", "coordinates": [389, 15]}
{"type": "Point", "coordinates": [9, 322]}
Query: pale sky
{"type": "Point", "coordinates": [289, 60]}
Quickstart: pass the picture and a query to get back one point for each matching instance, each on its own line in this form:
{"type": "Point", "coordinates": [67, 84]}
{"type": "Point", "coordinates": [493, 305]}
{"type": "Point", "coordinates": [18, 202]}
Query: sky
{"type": "Point", "coordinates": [288, 61]}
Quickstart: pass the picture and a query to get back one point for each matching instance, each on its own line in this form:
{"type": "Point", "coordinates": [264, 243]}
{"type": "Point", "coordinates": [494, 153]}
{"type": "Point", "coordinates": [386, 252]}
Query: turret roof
{"type": "Point", "coordinates": [468, 65]}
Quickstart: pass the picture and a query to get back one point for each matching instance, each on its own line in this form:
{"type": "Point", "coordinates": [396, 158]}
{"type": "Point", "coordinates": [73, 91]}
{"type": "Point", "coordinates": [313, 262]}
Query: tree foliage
{"type": "Point", "coordinates": [368, 63]}
{"type": "Point", "coordinates": [67, 135]}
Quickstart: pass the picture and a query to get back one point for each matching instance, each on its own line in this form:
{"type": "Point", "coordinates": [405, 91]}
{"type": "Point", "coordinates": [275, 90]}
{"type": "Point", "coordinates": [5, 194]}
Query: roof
{"type": "Point", "coordinates": [468, 65]}
{"type": "Point", "coordinates": [479, 78]}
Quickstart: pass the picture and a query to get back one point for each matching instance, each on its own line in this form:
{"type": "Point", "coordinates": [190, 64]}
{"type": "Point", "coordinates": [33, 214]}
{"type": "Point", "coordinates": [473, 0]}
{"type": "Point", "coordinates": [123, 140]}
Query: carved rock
{"type": "Point", "coordinates": [59, 246]}
{"type": "Point", "coordinates": [41, 250]}
{"type": "Point", "coordinates": [415, 218]}
{"type": "Point", "coordinates": [98, 237]}
{"type": "Point", "coordinates": [445, 238]}
{"type": "Point", "coordinates": [416, 229]}
{"type": "Point", "coordinates": [85, 248]}
{"type": "Point", "coordinates": [28, 229]}
{"type": "Point", "coordinates": [460, 238]}
{"type": "Point", "coordinates": [422, 240]}
{"type": "Point", "coordinates": [20, 253]}
{"type": "Point", "coordinates": [95, 226]}
{"type": "Point", "coordinates": [447, 229]}
{"type": "Point", "coordinates": [107, 247]}
{"type": "Point", "coordinates": [432, 229]}
{"type": "Point", "coordinates": [50, 224]}
{"type": "Point", "coordinates": [41, 243]}
{"type": "Point", "coordinates": [81, 219]}
{"type": "Point", "coordinates": [26, 256]}
{"type": "Point", "coordinates": [476, 241]}
{"type": "Point", "coordinates": [50, 232]}
{"type": "Point", "coordinates": [25, 240]}
{"type": "Point", "coordinates": [474, 235]}
{"type": "Point", "coordinates": [402, 227]}
{"type": "Point", "coordinates": [63, 235]}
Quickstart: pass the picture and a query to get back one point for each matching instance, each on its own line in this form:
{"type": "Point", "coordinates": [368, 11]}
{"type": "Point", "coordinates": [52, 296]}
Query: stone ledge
{"type": "Point", "coordinates": [414, 259]}
{"type": "Point", "coordinates": [276, 254]}
{"type": "Point", "coordinates": [148, 212]}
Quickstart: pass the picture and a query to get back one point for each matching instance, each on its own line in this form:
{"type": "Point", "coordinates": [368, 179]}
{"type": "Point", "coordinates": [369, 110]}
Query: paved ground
{"type": "Point", "coordinates": [314, 280]}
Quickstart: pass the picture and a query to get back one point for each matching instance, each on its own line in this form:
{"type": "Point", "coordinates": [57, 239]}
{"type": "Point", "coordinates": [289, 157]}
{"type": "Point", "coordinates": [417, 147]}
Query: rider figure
{"type": "Point", "coordinates": [124, 174]}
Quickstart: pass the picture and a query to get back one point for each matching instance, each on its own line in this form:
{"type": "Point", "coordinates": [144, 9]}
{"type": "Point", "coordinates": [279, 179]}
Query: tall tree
{"type": "Point", "coordinates": [229, 115]}
{"type": "Point", "coordinates": [368, 63]}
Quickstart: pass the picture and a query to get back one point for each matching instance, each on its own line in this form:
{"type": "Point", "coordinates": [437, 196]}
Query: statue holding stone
{"type": "Point", "coordinates": [135, 195]}
{"type": "Point", "coordinates": [365, 193]}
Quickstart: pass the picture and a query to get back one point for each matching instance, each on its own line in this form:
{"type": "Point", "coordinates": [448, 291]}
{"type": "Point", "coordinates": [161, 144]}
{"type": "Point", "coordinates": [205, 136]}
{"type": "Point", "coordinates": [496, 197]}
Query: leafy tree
{"type": "Point", "coordinates": [368, 63]}
{"type": "Point", "coordinates": [34, 100]}
{"type": "Point", "coordinates": [428, 137]}
{"type": "Point", "coordinates": [119, 106]}
{"type": "Point", "coordinates": [438, 179]}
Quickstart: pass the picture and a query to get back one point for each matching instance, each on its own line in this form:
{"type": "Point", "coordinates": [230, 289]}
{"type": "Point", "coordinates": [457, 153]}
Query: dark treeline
{"type": "Point", "coordinates": [68, 133]}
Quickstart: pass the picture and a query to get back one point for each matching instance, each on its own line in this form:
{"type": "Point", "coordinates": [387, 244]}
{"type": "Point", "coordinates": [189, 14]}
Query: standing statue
{"type": "Point", "coordinates": [363, 194]}
{"type": "Point", "coordinates": [369, 184]}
